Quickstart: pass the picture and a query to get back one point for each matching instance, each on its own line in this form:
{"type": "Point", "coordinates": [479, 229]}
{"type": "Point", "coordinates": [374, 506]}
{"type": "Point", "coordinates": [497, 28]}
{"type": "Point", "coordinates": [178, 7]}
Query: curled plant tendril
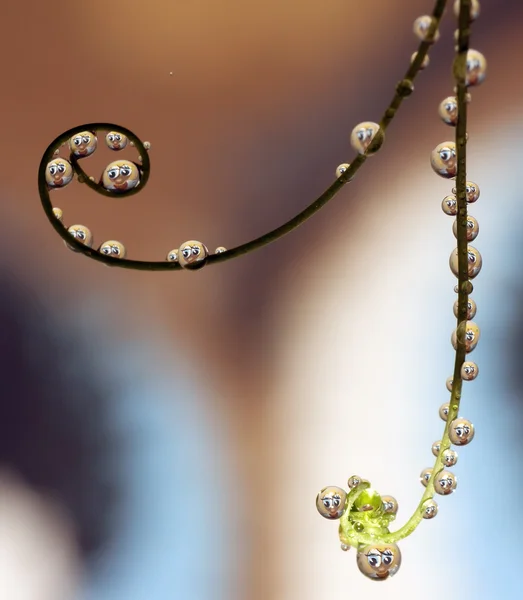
{"type": "Point", "coordinates": [365, 516]}
{"type": "Point", "coordinates": [404, 89]}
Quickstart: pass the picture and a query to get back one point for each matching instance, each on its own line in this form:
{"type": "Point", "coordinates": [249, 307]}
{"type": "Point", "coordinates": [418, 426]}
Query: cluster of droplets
{"type": "Point", "coordinates": [444, 162]}
{"type": "Point", "coordinates": [119, 177]}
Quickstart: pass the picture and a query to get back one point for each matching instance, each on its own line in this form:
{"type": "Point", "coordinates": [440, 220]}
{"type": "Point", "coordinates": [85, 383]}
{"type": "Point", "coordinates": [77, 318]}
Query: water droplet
{"type": "Point", "coordinates": [192, 255]}
{"type": "Point", "coordinates": [461, 432]}
{"type": "Point", "coordinates": [345, 547]}
{"type": "Point", "coordinates": [116, 141]}
{"type": "Point", "coordinates": [448, 383]}
{"type": "Point", "coordinates": [421, 29]}
{"type": "Point", "coordinates": [443, 160]}
{"type": "Point", "coordinates": [448, 110]}
{"type": "Point", "coordinates": [367, 138]}
{"type": "Point", "coordinates": [113, 248]}
{"type": "Point", "coordinates": [82, 234]}
{"type": "Point", "coordinates": [83, 144]}
{"type": "Point", "coordinates": [120, 176]}
{"type": "Point", "coordinates": [173, 255]}
{"type": "Point", "coordinates": [436, 446]}
{"type": "Point", "coordinates": [469, 333]}
{"type": "Point", "coordinates": [379, 561]}
{"type": "Point", "coordinates": [220, 249]}
{"type": "Point", "coordinates": [390, 505]}
{"type": "Point", "coordinates": [469, 371]}
{"type": "Point", "coordinates": [445, 483]}
{"type": "Point", "coordinates": [353, 481]}
{"type": "Point", "coordinates": [472, 228]}
{"type": "Point", "coordinates": [341, 169]}
{"type": "Point", "coordinates": [449, 457]}
{"type": "Point", "coordinates": [472, 191]}
{"type": "Point", "coordinates": [358, 527]}
{"type": "Point", "coordinates": [424, 64]}
{"type": "Point", "coordinates": [475, 9]}
{"type": "Point", "coordinates": [444, 411]}
{"type": "Point", "coordinates": [58, 213]}
{"type": "Point", "coordinates": [471, 309]}
{"type": "Point", "coordinates": [331, 502]}
{"type": "Point", "coordinates": [474, 259]}
{"type": "Point", "coordinates": [476, 68]}
{"type": "Point", "coordinates": [449, 205]}
{"type": "Point", "coordinates": [147, 145]}
{"type": "Point", "coordinates": [429, 509]}
{"type": "Point", "coordinates": [425, 476]}
{"type": "Point", "coordinates": [58, 173]}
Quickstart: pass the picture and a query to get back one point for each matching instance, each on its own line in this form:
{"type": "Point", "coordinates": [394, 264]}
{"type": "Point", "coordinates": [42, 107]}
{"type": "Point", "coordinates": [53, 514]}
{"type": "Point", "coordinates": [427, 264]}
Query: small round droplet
{"type": "Point", "coordinates": [379, 561]}
{"type": "Point", "coordinates": [474, 260]}
{"type": "Point", "coordinates": [443, 160]}
{"type": "Point", "coordinates": [83, 144]}
{"type": "Point", "coordinates": [341, 169]}
{"type": "Point", "coordinates": [173, 255]}
{"type": "Point", "coordinates": [436, 446]}
{"type": "Point", "coordinates": [461, 432]}
{"type": "Point", "coordinates": [466, 287]}
{"type": "Point", "coordinates": [449, 457]}
{"type": "Point", "coordinates": [425, 62]}
{"type": "Point", "coordinates": [345, 547]}
{"type": "Point", "coordinates": [58, 213]}
{"type": "Point", "coordinates": [469, 371]}
{"type": "Point", "coordinates": [448, 110]}
{"type": "Point", "coordinates": [116, 141]}
{"type": "Point", "coordinates": [120, 176]}
{"type": "Point", "coordinates": [476, 68]}
{"type": "Point", "coordinates": [331, 502]}
{"type": "Point", "coordinates": [445, 483]}
{"type": "Point", "coordinates": [192, 255]}
{"type": "Point", "coordinates": [472, 228]}
{"type": "Point", "coordinates": [429, 509]}
{"type": "Point", "coordinates": [82, 234]}
{"type": "Point", "coordinates": [449, 205]}
{"type": "Point", "coordinates": [390, 505]}
{"type": "Point", "coordinates": [469, 333]}
{"type": "Point", "coordinates": [220, 249]}
{"type": "Point", "coordinates": [444, 411]}
{"type": "Point", "coordinates": [353, 481]}
{"type": "Point", "coordinates": [147, 145]}
{"type": "Point", "coordinates": [425, 476]}
{"type": "Point", "coordinates": [471, 309]}
{"type": "Point", "coordinates": [113, 248]}
{"type": "Point", "coordinates": [58, 173]}
{"type": "Point", "coordinates": [475, 9]}
{"type": "Point", "coordinates": [448, 383]}
{"type": "Point", "coordinates": [421, 29]}
{"type": "Point", "coordinates": [367, 138]}
{"type": "Point", "coordinates": [359, 527]}
{"type": "Point", "coordinates": [472, 190]}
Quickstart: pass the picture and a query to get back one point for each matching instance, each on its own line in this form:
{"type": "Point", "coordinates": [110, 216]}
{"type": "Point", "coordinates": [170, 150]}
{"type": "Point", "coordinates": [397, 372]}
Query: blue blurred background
{"type": "Point", "coordinates": [164, 436]}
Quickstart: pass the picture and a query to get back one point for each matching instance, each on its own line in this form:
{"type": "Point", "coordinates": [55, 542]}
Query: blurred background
{"type": "Point", "coordinates": [164, 435]}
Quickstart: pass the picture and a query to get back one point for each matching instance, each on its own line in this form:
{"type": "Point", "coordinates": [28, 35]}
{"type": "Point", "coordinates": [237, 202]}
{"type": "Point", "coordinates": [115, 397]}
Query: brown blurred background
{"type": "Point", "coordinates": [247, 130]}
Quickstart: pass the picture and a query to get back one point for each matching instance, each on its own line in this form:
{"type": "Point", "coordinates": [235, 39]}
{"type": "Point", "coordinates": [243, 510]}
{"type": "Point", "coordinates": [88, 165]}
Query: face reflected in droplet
{"type": "Point", "coordinates": [341, 169]}
{"type": "Point", "coordinates": [436, 446]}
{"type": "Point", "coordinates": [444, 161]}
{"type": "Point", "coordinates": [449, 205]}
{"type": "Point", "coordinates": [424, 64]}
{"type": "Point", "coordinates": [220, 250]}
{"type": "Point", "coordinates": [58, 173]}
{"type": "Point", "coordinates": [469, 333]}
{"type": "Point", "coordinates": [172, 256]}
{"type": "Point", "coordinates": [448, 383]}
{"type": "Point", "coordinates": [192, 255]}
{"type": "Point", "coordinates": [461, 432]}
{"type": "Point", "coordinates": [421, 29]}
{"type": "Point", "coordinates": [471, 309]}
{"type": "Point", "coordinates": [120, 176]}
{"type": "Point", "coordinates": [472, 192]}
{"type": "Point", "coordinates": [449, 457]}
{"type": "Point", "coordinates": [476, 68]}
{"type": "Point", "coordinates": [379, 561]}
{"type": "Point", "coordinates": [331, 502]}
{"type": "Point", "coordinates": [116, 141]}
{"type": "Point", "coordinates": [367, 138]}
{"type": "Point", "coordinates": [390, 505]}
{"type": "Point", "coordinates": [429, 509]}
{"type": "Point", "coordinates": [474, 262]}
{"type": "Point", "coordinates": [83, 143]}
{"type": "Point", "coordinates": [469, 371]}
{"type": "Point", "coordinates": [444, 411]}
{"type": "Point", "coordinates": [475, 9]}
{"type": "Point", "coordinates": [58, 213]}
{"type": "Point", "coordinates": [445, 483]}
{"type": "Point", "coordinates": [425, 475]}
{"type": "Point", "coordinates": [82, 234]}
{"type": "Point", "coordinates": [113, 248]}
{"type": "Point", "coordinates": [448, 110]}
{"type": "Point", "coordinates": [472, 228]}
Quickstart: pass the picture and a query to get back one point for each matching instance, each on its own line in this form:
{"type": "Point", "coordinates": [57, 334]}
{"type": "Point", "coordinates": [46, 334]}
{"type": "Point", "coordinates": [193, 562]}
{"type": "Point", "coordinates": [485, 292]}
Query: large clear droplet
{"type": "Point", "coordinates": [379, 561]}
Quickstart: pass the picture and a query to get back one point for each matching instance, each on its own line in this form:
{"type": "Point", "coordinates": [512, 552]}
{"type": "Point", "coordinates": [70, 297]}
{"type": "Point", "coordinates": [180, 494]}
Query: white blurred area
{"type": "Point", "coordinates": [38, 554]}
{"type": "Point", "coordinates": [364, 355]}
